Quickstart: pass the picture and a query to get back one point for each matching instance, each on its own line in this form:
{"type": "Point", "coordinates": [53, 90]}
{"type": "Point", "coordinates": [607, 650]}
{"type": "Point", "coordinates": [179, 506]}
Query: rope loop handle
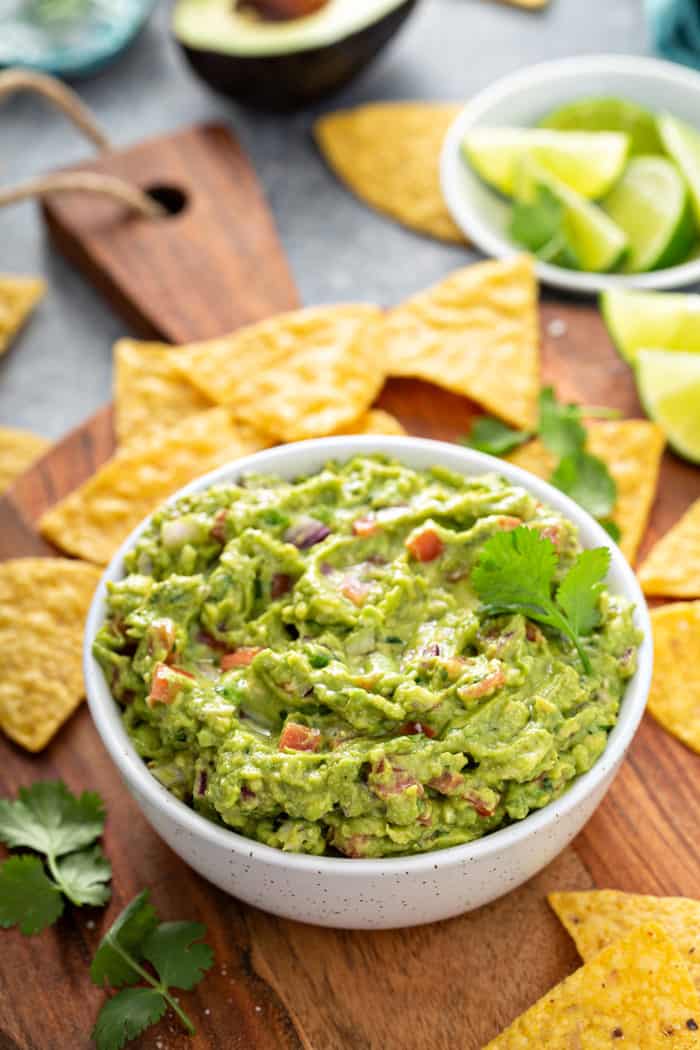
{"type": "Point", "coordinates": [67, 101]}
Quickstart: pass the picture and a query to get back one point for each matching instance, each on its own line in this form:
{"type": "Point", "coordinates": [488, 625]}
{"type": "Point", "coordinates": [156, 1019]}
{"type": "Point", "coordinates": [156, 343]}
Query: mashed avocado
{"type": "Point", "coordinates": [306, 662]}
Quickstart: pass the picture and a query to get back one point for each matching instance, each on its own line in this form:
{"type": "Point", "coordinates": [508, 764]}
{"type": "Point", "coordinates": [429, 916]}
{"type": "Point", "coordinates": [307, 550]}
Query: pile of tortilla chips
{"type": "Point", "coordinates": [181, 411]}
{"type": "Point", "coordinates": [638, 986]}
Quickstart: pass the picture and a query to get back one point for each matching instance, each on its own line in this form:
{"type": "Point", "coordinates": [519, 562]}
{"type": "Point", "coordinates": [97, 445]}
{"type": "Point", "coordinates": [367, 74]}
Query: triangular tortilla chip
{"type": "Point", "coordinates": [475, 333]}
{"type": "Point", "coordinates": [376, 421]}
{"type": "Point", "coordinates": [596, 918]}
{"type": "Point", "coordinates": [672, 567]}
{"type": "Point", "coordinates": [388, 153]}
{"type": "Point", "coordinates": [94, 519]}
{"type": "Point", "coordinates": [674, 699]}
{"type": "Point", "coordinates": [636, 993]}
{"type": "Point", "coordinates": [299, 375]}
{"type": "Point", "coordinates": [150, 391]}
{"type": "Point", "coordinates": [631, 450]}
{"type": "Point", "coordinates": [43, 605]}
{"type": "Point", "coordinates": [18, 450]}
{"type": "Point", "coordinates": [18, 297]}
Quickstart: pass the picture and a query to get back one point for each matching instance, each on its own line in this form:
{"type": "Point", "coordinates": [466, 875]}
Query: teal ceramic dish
{"type": "Point", "coordinates": [69, 38]}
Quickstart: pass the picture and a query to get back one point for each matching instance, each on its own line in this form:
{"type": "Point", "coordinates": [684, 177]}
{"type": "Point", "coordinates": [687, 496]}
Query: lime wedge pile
{"type": "Point", "coordinates": [600, 185]}
{"type": "Point", "coordinates": [659, 335]}
{"type": "Point", "coordinates": [587, 164]}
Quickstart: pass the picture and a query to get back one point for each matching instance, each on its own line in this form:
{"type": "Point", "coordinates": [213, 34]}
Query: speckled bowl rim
{"type": "Point", "coordinates": [286, 460]}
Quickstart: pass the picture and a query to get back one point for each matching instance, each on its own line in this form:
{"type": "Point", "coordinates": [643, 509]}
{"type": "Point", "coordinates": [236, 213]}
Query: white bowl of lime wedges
{"type": "Point", "coordinates": [591, 163]}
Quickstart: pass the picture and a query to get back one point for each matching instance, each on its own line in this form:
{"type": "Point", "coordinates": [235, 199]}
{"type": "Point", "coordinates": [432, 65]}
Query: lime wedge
{"type": "Point", "coordinates": [608, 114]}
{"type": "Point", "coordinates": [597, 242]}
{"type": "Point", "coordinates": [669, 389]}
{"type": "Point", "coordinates": [638, 319]}
{"type": "Point", "coordinates": [652, 205]}
{"type": "Point", "coordinates": [682, 142]}
{"type": "Point", "coordinates": [587, 163]}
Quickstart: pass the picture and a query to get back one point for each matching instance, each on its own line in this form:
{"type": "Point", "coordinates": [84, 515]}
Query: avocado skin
{"type": "Point", "coordinates": [281, 83]}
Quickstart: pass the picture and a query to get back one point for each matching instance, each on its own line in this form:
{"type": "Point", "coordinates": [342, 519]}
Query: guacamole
{"type": "Point", "coordinates": [306, 661]}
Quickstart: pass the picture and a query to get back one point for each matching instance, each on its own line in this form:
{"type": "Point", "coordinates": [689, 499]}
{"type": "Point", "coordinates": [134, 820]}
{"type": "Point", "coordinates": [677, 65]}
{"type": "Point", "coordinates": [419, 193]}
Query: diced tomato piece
{"type": "Point", "coordinates": [425, 545]}
{"type": "Point", "coordinates": [398, 781]}
{"type": "Point", "coordinates": [507, 523]}
{"type": "Point", "coordinates": [299, 738]}
{"type": "Point", "coordinates": [411, 728]}
{"type": "Point", "coordinates": [447, 782]}
{"type": "Point", "coordinates": [365, 526]}
{"type": "Point", "coordinates": [281, 584]}
{"type": "Point", "coordinates": [355, 590]}
{"type": "Point", "coordinates": [533, 633]}
{"type": "Point", "coordinates": [218, 529]}
{"type": "Point", "coordinates": [479, 805]}
{"type": "Point", "coordinates": [164, 688]}
{"type": "Point", "coordinates": [242, 657]}
{"type": "Point", "coordinates": [553, 533]}
{"type": "Point", "coordinates": [485, 687]}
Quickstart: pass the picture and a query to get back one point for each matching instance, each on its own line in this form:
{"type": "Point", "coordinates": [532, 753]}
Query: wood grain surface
{"type": "Point", "coordinates": [279, 985]}
{"type": "Point", "coordinates": [282, 985]}
{"type": "Point", "coordinates": [205, 270]}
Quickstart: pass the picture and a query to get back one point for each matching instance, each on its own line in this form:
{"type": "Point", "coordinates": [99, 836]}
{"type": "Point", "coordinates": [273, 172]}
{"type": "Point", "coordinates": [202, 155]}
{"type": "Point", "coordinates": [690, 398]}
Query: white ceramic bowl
{"type": "Point", "coordinates": [521, 99]}
{"type": "Point", "coordinates": [373, 894]}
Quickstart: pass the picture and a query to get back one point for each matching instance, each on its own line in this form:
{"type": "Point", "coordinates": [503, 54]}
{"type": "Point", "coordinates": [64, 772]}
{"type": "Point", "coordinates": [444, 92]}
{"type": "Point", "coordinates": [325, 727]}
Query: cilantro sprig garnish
{"type": "Point", "coordinates": [540, 226]}
{"type": "Point", "coordinates": [560, 427]}
{"type": "Point", "coordinates": [515, 573]}
{"type": "Point", "coordinates": [177, 955]}
{"type": "Point", "coordinates": [49, 820]}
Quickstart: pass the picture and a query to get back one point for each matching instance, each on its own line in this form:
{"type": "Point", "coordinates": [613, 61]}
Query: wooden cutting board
{"type": "Point", "coordinates": [280, 985]}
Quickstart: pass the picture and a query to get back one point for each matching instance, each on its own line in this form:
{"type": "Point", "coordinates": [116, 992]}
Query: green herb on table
{"type": "Point", "coordinates": [49, 820]}
{"type": "Point", "coordinates": [578, 473]}
{"type": "Point", "coordinates": [515, 574]}
{"type": "Point", "coordinates": [177, 955]}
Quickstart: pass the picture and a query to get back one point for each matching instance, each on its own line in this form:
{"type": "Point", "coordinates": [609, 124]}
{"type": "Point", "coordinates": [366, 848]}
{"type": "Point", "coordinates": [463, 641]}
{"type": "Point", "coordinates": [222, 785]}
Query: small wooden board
{"type": "Point", "coordinates": [279, 985]}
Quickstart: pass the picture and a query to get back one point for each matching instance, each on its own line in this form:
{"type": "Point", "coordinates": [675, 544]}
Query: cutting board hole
{"type": "Point", "coordinates": [171, 198]}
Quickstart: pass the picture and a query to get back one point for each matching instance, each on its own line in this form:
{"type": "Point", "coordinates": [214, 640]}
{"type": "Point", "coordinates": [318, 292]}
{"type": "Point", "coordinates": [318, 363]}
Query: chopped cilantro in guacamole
{"type": "Point", "coordinates": [308, 663]}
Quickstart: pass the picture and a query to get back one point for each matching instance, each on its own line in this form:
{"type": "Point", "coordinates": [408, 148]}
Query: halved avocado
{"type": "Point", "coordinates": [257, 54]}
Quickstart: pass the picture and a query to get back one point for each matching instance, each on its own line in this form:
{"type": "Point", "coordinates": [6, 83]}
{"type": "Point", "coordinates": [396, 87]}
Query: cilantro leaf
{"type": "Point", "coordinates": [612, 528]}
{"type": "Point", "coordinates": [83, 876]}
{"type": "Point", "coordinates": [515, 572]}
{"type": "Point", "coordinates": [588, 481]}
{"type": "Point", "coordinates": [126, 1015]}
{"type": "Point", "coordinates": [540, 225]}
{"type": "Point", "coordinates": [492, 436]}
{"type": "Point", "coordinates": [178, 954]}
{"type": "Point", "coordinates": [124, 940]}
{"type": "Point", "coordinates": [515, 569]}
{"type": "Point", "coordinates": [28, 898]}
{"type": "Point", "coordinates": [580, 590]}
{"type": "Point", "coordinates": [175, 951]}
{"type": "Point", "coordinates": [48, 818]}
{"type": "Point", "coordinates": [560, 426]}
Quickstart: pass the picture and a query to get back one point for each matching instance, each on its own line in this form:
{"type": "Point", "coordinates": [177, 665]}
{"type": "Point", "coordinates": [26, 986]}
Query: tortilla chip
{"type": "Point", "coordinates": [96, 517]}
{"type": "Point", "coordinates": [475, 333]}
{"type": "Point", "coordinates": [18, 297]}
{"type": "Point", "coordinates": [672, 567]}
{"type": "Point", "coordinates": [674, 699]}
{"type": "Point", "coordinates": [149, 390]}
{"type": "Point", "coordinates": [298, 375]}
{"type": "Point", "coordinates": [18, 450]}
{"type": "Point", "coordinates": [388, 153]}
{"type": "Point", "coordinates": [596, 918]}
{"type": "Point", "coordinates": [43, 605]}
{"type": "Point", "coordinates": [631, 450]}
{"type": "Point", "coordinates": [636, 993]}
{"type": "Point", "coordinates": [376, 421]}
